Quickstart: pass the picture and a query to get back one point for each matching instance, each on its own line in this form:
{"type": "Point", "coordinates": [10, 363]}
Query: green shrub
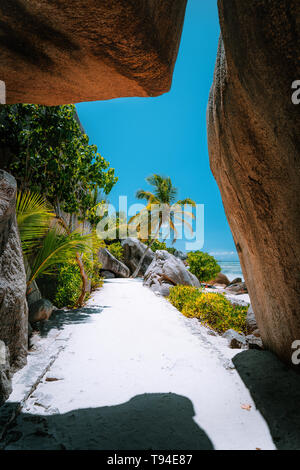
{"type": "Point", "coordinates": [68, 285]}
{"type": "Point", "coordinates": [172, 250]}
{"type": "Point", "coordinates": [92, 268]}
{"type": "Point", "coordinates": [180, 295]}
{"type": "Point", "coordinates": [157, 245]}
{"type": "Point", "coordinates": [202, 265]}
{"type": "Point", "coordinates": [214, 310]}
{"type": "Point", "coordinates": [116, 250]}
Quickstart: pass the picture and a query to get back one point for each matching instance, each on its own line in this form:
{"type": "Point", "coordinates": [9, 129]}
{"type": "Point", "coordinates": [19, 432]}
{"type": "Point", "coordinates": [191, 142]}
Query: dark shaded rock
{"type": "Point", "coordinates": [5, 376]}
{"type": "Point", "coordinates": [239, 288]}
{"type": "Point", "coordinates": [235, 339]}
{"type": "Point", "coordinates": [256, 333]}
{"type": "Point", "coordinates": [166, 271]}
{"type": "Point", "coordinates": [275, 389]}
{"type": "Point", "coordinates": [107, 274]}
{"type": "Point", "coordinates": [253, 137]}
{"type": "Point", "coordinates": [112, 264]}
{"type": "Point", "coordinates": [179, 254]}
{"type": "Point", "coordinates": [13, 305]}
{"type": "Point", "coordinates": [85, 50]}
{"type": "Point", "coordinates": [220, 279]}
{"type": "Point", "coordinates": [237, 280]}
{"type": "Point", "coordinates": [254, 342]}
{"type": "Point", "coordinates": [251, 320]}
{"type": "Point", "coordinates": [34, 294]}
{"type": "Point", "coordinates": [40, 310]}
{"type": "Point", "coordinates": [133, 251]}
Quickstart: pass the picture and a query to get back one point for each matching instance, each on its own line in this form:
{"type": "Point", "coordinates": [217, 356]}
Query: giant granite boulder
{"type": "Point", "coordinates": [112, 264]}
{"type": "Point", "coordinates": [133, 251]}
{"type": "Point", "coordinates": [167, 271]}
{"type": "Point", "coordinates": [13, 305]}
{"type": "Point", "coordinates": [85, 50]}
{"type": "Point", "coordinates": [253, 138]}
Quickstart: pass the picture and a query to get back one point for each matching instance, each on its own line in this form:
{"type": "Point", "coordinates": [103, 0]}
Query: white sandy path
{"type": "Point", "coordinates": [141, 344]}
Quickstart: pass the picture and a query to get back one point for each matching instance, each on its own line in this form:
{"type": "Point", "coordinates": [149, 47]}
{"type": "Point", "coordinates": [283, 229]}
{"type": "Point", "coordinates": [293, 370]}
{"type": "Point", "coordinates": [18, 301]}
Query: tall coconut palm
{"type": "Point", "coordinates": [162, 208]}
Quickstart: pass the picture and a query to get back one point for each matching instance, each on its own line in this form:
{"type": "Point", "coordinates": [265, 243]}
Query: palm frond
{"type": "Point", "coordinates": [186, 202]}
{"type": "Point", "coordinates": [33, 217]}
{"type": "Point", "coordinates": [58, 248]}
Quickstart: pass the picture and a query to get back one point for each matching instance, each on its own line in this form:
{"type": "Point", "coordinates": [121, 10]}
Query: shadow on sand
{"type": "Point", "coordinates": [61, 318]}
{"type": "Point", "coordinates": [146, 422]}
{"type": "Point", "coordinates": [275, 389]}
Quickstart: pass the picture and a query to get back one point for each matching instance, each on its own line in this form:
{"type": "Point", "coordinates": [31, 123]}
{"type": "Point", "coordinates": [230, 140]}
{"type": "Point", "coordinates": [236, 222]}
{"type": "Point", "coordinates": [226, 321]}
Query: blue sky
{"type": "Point", "coordinates": [167, 134]}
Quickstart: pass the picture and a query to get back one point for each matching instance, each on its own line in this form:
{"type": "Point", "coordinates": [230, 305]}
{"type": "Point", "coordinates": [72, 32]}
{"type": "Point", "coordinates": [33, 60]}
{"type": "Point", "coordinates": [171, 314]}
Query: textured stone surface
{"type": "Point", "coordinates": [112, 264]}
{"type": "Point", "coordinates": [166, 271]}
{"type": "Point", "coordinates": [40, 310]}
{"type": "Point", "coordinates": [251, 320]}
{"type": "Point", "coordinates": [5, 378]}
{"type": "Point", "coordinates": [220, 279]}
{"type": "Point", "coordinates": [253, 136]}
{"type": "Point", "coordinates": [13, 306]}
{"type": "Point", "coordinates": [235, 339]}
{"type": "Point", "coordinates": [133, 251]}
{"type": "Point", "coordinates": [55, 52]}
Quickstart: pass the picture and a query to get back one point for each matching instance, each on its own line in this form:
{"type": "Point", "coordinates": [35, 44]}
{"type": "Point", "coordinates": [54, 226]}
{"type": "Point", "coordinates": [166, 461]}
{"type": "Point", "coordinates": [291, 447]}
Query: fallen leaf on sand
{"type": "Point", "coordinates": [246, 407]}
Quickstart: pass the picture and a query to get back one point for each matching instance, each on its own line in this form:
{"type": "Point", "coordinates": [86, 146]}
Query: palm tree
{"type": "Point", "coordinates": [46, 240]}
{"type": "Point", "coordinates": [163, 195]}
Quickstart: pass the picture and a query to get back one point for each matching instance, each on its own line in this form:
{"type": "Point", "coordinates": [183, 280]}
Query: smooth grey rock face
{"type": "Point", "coordinates": [235, 339]}
{"type": "Point", "coordinates": [112, 264]}
{"type": "Point", "coordinates": [166, 271]}
{"type": "Point", "coordinates": [40, 310]}
{"type": "Point", "coordinates": [5, 377]}
{"type": "Point", "coordinates": [251, 320]}
{"type": "Point", "coordinates": [13, 305]}
{"type": "Point", "coordinates": [133, 251]}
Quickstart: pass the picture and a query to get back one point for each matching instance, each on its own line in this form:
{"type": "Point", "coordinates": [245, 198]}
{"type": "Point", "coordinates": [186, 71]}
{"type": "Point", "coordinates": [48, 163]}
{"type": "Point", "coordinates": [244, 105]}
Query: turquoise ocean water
{"type": "Point", "coordinates": [231, 269]}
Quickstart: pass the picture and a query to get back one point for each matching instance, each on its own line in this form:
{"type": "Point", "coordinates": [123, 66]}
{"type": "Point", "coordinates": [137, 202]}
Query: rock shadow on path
{"type": "Point", "coordinates": [158, 421]}
{"type": "Point", "coordinates": [275, 389]}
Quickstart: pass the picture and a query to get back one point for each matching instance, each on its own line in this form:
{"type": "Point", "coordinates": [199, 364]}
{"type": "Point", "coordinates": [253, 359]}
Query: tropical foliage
{"type": "Point", "coordinates": [116, 250]}
{"type": "Point", "coordinates": [214, 310]}
{"type": "Point", "coordinates": [203, 265]}
{"type": "Point", "coordinates": [53, 157]}
{"type": "Point", "coordinates": [163, 195]}
{"type": "Point", "coordinates": [47, 243]}
{"type": "Point", "coordinates": [156, 245]}
{"type": "Point", "coordinates": [63, 180]}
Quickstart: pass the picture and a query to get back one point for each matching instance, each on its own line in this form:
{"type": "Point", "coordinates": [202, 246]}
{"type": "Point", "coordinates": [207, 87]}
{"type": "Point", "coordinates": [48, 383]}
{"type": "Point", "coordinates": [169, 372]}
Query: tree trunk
{"type": "Point", "coordinates": [84, 279]}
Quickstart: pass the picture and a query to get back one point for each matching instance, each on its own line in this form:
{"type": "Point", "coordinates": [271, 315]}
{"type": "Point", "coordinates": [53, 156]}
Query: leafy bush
{"type": "Point", "coordinates": [157, 245]}
{"type": "Point", "coordinates": [116, 250]}
{"type": "Point", "coordinates": [92, 268]}
{"type": "Point", "coordinates": [214, 310]}
{"type": "Point", "coordinates": [204, 266]}
{"type": "Point", "coordinates": [171, 250]}
{"type": "Point", "coordinates": [180, 295]}
{"type": "Point", "coordinates": [68, 285]}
